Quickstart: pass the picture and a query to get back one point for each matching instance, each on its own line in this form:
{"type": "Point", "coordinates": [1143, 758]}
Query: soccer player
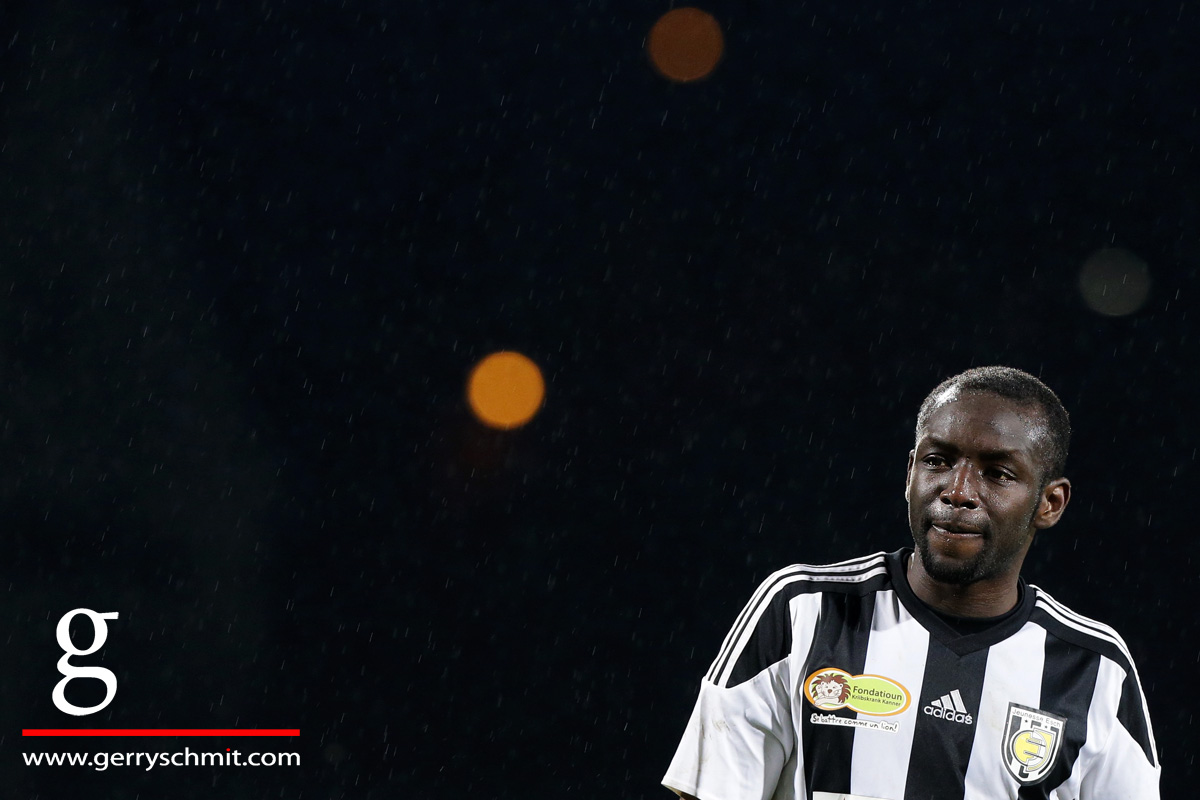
{"type": "Point", "coordinates": [935, 673]}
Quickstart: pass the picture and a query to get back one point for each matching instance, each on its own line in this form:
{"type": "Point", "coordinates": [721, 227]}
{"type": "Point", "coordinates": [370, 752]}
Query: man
{"type": "Point", "coordinates": [937, 673]}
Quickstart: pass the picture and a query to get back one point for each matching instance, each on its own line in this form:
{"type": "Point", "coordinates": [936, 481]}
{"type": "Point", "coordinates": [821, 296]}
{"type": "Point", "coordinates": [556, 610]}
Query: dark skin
{"type": "Point", "coordinates": [976, 496]}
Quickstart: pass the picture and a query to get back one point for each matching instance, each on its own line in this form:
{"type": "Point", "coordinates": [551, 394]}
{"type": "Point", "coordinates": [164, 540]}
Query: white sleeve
{"type": "Point", "coordinates": [1121, 771]}
{"type": "Point", "coordinates": [737, 740]}
{"type": "Point", "coordinates": [1127, 767]}
{"type": "Point", "coordinates": [741, 736]}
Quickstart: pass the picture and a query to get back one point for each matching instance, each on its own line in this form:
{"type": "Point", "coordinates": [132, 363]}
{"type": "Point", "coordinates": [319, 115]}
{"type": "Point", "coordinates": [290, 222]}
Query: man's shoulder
{"type": "Point", "coordinates": [1079, 630]}
{"type": "Point", "coordinates": [762, 634]}
{"type": "Point", "coordinates": [861, 575]}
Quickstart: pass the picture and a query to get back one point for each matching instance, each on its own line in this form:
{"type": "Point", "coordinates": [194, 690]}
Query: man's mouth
{"type": "Point", "coordinates": [956, 531]}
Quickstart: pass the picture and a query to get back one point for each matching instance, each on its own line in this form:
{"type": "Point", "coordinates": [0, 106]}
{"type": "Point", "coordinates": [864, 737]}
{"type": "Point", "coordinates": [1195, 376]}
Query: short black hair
{"type": "Point", "coordinates": [1020, 387]}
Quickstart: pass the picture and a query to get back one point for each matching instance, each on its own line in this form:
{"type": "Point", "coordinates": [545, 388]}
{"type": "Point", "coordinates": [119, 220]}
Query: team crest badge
{"type": "Point", "coordinates": [1032, 740]}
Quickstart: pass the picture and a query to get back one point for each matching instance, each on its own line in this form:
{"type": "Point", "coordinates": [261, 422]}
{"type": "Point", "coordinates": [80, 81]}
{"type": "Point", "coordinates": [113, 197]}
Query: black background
{"type": "Point", "coordinates": [252, 250]}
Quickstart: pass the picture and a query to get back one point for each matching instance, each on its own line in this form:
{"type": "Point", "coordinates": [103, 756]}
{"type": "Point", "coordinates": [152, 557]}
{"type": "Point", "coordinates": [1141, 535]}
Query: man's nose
{"type": "Point", "coordinates": [962, 490]}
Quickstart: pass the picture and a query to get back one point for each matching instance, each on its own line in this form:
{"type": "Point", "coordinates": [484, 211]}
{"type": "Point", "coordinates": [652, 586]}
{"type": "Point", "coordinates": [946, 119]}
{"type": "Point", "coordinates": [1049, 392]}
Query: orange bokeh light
{"type": "Point", "coordinates": [685, 44]}
{"type": "Point", "coordinates": [505, 390]}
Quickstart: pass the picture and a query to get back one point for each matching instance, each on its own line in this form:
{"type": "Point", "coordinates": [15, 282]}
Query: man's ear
{"type": "Point", "coordinates": [1053, 503]}
{"type": "Point", "coordinates": [908, 472]}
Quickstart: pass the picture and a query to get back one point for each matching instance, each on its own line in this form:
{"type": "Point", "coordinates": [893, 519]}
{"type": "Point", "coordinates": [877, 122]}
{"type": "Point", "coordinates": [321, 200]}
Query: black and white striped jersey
{"type": "Point", "coordinates": [837, 683]}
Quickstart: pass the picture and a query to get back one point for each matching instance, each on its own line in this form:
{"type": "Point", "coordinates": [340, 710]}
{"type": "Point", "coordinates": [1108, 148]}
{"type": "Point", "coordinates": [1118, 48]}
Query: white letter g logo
{"type": "Point", "coordinates": [63, 633]}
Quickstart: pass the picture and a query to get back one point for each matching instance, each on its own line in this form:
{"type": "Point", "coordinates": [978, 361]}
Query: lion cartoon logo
{"type": "Point", "coordinates": [829, 690]}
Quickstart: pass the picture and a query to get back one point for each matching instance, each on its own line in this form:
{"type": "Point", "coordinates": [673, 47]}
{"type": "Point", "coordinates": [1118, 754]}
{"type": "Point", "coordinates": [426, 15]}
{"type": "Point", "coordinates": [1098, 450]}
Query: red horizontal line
{"type": "Point", "coordinates": [160, 731]}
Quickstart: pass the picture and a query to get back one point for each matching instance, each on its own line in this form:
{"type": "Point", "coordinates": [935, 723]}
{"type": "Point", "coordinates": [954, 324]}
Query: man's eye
{"type": "Point", "coordinates": [934, 461]}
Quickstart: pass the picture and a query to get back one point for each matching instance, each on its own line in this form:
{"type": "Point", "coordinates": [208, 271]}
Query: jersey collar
{"type": "Point", "coordinates": [1006, 625]}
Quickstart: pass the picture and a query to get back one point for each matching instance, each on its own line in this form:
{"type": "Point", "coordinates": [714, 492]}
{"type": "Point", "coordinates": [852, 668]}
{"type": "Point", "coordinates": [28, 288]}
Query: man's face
{"type": "Point", "coordinates": [974, 489]}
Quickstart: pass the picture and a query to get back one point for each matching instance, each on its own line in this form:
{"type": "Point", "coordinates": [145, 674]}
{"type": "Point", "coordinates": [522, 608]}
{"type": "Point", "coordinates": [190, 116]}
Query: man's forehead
{"type": "Point", "coordinates": [979, 412]}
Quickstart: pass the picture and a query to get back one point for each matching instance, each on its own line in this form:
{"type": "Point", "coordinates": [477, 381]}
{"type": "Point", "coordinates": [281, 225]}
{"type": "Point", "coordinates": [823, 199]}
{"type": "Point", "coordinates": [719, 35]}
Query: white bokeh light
{"type": "Point", "coordinates": [1114, 282]}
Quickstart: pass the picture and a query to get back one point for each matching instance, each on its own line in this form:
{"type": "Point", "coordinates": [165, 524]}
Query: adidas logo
{"type": "Point", "coordinates": [949, 707]}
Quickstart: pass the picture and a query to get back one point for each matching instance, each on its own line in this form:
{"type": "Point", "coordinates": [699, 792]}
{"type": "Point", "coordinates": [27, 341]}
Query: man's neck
{"type": "Point", "coordinates": [981, 599]}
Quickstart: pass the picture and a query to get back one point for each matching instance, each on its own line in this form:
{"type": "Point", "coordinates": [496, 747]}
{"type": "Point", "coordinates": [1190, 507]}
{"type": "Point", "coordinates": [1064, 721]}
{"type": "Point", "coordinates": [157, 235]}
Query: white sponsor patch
{"type": "Point", "coordinates": [885, 725]}
{"type": "Point", "coordinates": [840, 796]}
